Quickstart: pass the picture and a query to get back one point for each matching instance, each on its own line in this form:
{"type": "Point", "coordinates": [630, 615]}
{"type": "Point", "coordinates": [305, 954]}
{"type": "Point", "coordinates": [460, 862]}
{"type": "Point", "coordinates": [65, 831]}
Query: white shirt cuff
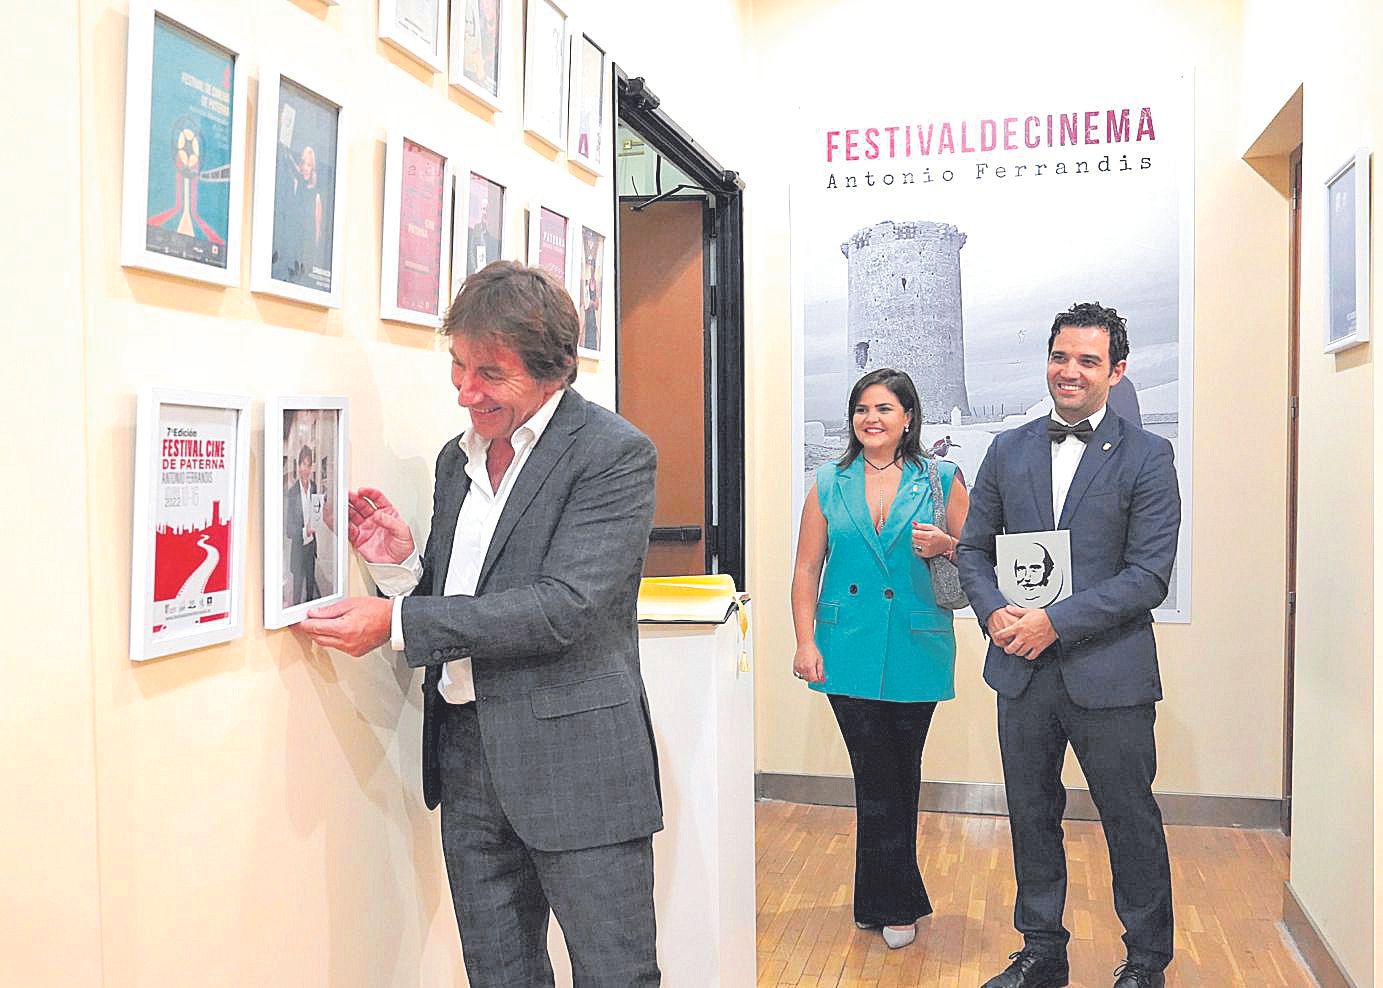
{"type": "Point", "coordinates": [396, 625]}
{"type": "Point", "coordinates": [394, 580]}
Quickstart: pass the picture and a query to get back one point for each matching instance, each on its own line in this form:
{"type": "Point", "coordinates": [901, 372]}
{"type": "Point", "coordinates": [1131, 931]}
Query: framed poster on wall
{"type": "Point", "coordinates": [417, 214]}
{"type": "Point", "coordinates": [306, 548]}
{"type": "Point", "coordinates": [417, 27]}
{"type": "Point", "coordinates": [297, 212]}
{"type": "Point", "coordinates": [589, 85]}
{"type": "Point", "coordinates": [191, 500]}
{"type": "Point", "coordinates": [545, 72]}
{"type": "Point", "coordinates": [590, 291]}
{"type": "Point", "coordinates": [478, 40]}
{"type": "Point", "coordinates": [480, 223]}
{"type": "Point", "coordinates": [548, 242]}
{"type": "Point", "coordinates": [184, 169]}
{"type": "Point", "coordinates": [1347, 254]}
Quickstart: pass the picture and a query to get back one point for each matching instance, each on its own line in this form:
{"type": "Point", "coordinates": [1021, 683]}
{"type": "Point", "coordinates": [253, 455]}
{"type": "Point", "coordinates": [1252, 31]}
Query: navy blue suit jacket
{"type": "Point", "coordinates": [1123, 512]}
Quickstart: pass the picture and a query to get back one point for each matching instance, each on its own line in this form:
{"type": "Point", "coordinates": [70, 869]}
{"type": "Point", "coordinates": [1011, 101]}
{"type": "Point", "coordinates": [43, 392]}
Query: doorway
{"type": "Point", "coordinates": [679, 335]}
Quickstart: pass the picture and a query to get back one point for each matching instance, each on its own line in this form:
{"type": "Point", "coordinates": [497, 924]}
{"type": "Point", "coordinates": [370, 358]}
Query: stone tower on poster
{"type": "Point", "coordinates": [903, 309]}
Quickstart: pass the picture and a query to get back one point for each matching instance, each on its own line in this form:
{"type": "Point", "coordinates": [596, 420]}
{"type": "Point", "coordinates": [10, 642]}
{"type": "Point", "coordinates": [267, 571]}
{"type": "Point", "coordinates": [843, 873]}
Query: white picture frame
{"type": "Point", "coordinates": [588, 123]}
{"type": "Point", "coordinates": [407, 24]}
{"type": "Point", "coordinates": [593, 321]}
{"type": "Point", "coordinates": [187, 560]}
{"type": "Point", "coordinates": [479, 46]}
{"type": "Point", "coordinates": [182, 190]}
{"type": "Point", "coordinates": [279, 168]}
{"type": "Point", "coordinates": [318, 425]}
{"type": "Point", "coordinates": [405, 297]}
{"type": "Point", "coordinates": [539, 258]}
{"type": "Point", "coordinates": [1347, 193]}
{"type": "Point", "coordinates": [546, 59]}
{"type": "Point", "coordinates": [470, 249]}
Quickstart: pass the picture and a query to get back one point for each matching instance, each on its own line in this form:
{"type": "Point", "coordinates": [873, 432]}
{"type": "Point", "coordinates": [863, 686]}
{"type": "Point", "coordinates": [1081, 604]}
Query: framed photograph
{"type": "Point", "coordinates": [191, 503]}
{"type": "Point", "coordinates": [548, 233]}
{"type": "Point", "coordinates": [479, 227]}
{"type": "Point", "coordinates": [298, 170]}
{"type": "Point", "coordinates": [306, 547]}
{"type": "Point", "coordinates": [1347, 254]}
{"type": "Point", "coordinates": [417, 27]}
{"type": "Point", "coordinates": [417, 218]}
{"type": "Point", "coordinates": [589, 82]}
{"type": "Point", "coordinates": [182, 195]}
{"type": "Point", "coordinates": [478, 40]}
{"type": "Point", "coordinates": [545, 54]}
{"type": "Point", "coordinates": [590, 291]}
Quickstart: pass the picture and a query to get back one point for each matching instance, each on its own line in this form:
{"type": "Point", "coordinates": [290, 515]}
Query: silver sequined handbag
{"type": "Point", "coordinates": [945, 577]}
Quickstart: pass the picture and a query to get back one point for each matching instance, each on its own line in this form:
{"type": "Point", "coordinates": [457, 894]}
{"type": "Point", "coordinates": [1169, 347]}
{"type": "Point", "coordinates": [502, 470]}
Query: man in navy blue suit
{"type": "Point", "coordinates": [1082, 670]}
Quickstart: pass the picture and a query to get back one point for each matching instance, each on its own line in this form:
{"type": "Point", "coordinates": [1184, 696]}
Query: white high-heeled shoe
{"type": "Point", "coordinates": [899, 936]}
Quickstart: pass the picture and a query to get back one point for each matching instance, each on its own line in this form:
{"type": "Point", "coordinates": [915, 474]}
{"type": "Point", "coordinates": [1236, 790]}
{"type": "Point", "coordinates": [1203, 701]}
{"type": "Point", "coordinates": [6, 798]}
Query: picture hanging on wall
{"type": "Point", "coordinates": [1347, 254]}
{"type": "Point", "coordinates": [590, 291]}
{"type": "Point", "coordinates": [306, 547]}
{"type": "Point", "coordinates": [545, 72]}
{"type": "Point", "coordinates": [191, 481]}
{"type": "Point", "coordinates": [548, 234]}
{"type": "Point", "coordinates": [182, 195]}
{"type": "Point", "coordinates": [478, 40]}
{"type": "Point", "coordinates": [297, 212]}
{"type": "Point", "coordinates": [480, 239]}
{"type": "Point", "coordinates": [417, 214]}
{"type": "Point", "coordinates": [586, 128]}
{"type": "Point", "coordinates": [417, 27]}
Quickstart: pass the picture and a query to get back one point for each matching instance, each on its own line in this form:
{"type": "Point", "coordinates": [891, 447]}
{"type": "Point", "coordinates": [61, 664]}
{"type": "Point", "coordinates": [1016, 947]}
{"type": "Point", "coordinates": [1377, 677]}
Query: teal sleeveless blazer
{"type": "Point", "coordinates": [880, 633]}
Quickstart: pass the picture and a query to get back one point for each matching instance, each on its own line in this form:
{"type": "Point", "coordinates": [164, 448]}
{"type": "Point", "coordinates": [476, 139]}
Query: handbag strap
{"type": "Point", "coordinates": [938, 517]}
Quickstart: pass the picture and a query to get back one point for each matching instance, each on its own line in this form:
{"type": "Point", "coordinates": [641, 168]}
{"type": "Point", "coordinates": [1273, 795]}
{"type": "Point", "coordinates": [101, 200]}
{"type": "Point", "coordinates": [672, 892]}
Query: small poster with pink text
{"type": "Point", "coordinates": [420, 229]}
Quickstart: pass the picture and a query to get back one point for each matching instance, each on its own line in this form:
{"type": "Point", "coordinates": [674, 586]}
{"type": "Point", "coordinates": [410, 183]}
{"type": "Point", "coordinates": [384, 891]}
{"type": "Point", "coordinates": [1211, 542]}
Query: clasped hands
{"type": "Point", "coordinates": [1022, 631]}
{"type": "Point", "coordinates": [358, 625]}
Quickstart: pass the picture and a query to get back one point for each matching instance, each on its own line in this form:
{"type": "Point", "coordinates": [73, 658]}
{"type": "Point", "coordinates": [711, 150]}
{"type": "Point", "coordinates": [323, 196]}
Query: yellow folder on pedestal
{"type": "Point", "coordinates": [687, 599]}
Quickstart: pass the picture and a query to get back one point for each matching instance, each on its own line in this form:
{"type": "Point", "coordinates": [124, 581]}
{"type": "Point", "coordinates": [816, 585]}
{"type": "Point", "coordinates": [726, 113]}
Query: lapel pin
{"type": "Point", "coordinates": [1108, 447]}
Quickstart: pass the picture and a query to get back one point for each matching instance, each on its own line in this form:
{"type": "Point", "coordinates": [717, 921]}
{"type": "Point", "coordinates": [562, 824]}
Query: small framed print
{"type": "Point", "coordinates": [478, 42]}
{"type": "Point", "coordinates": [479, 226]}
{"type": "Point", "coordinates": [549, 233]}
{"type": "Point", "coordinates": [586, 127]}
{"type": "Point", "coordinates": [417, 27]}
{"type": "Point", "coordinates": [1347, 254]}
{"type": "Point", "coordinates": [182, 192]}
{"type": "Point", "coordinates": [590, 291]}
{"type": "Point", "coordinates": [191, 502]}
{"type": "Point", "coordinates": [297, 211]}
{"type": "Point", "coordinates": [545, 72]}
{"type": "Point", "coordinates": [306, 547]}
{"type": "Point", "coordinates": [417, 218]}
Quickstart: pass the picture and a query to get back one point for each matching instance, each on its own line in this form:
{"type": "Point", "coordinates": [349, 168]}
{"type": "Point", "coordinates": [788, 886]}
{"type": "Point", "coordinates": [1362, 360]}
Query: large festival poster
{"type": "Point", "coordinates": [941, 233]}
{"type": "Point", "coordinates": [190, 137]}
{"type": "Point", "coordinates": [189, 529]}
{"type": "Point", "coordinates": [422, 195]}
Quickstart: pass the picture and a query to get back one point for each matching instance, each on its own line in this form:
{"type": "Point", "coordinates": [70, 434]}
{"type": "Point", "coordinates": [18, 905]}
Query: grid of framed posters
{"type": "Point", "coordinates": [545, 72]}
{"type": "Point", "coordinates": [190, 516]}
{"type": "Point", "coordinates": [184, 172]}
{"type": "Point", "coordinates": [297, 212]}
{"type": "Point", "coordinates": [417, 27]}
{"type": "Point", "coordinates": [478, 230]}
{"type": "Point", "coordinates": [1347, 254]}
{"type": "Point", "coordinates": [586, 128]}
{"type": "Point", "coordinates": [549, 248]}
{"type": "Point", "coordinates": [478, 39]}
{"type": "Point", "coordinates": [417, 221]}
{"type": "Point", "coordinates": [306, 548]}
{"type": "Point", "coordinates": [590, 290]}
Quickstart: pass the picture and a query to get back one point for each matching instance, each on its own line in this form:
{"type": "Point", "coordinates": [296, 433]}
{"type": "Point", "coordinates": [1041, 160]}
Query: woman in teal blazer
{"type": "Point", "coordinates": [870, 635]}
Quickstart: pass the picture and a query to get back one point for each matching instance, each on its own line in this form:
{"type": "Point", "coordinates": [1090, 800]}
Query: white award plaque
{"type": "Point", "coordinates": [1034, 568]}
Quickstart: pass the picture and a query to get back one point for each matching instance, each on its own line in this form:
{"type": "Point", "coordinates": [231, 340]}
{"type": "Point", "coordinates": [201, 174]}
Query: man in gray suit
{"type": "Point", "coordinates": [1082, 670]}
{"type": "Point", "coordinates": [536, 735]}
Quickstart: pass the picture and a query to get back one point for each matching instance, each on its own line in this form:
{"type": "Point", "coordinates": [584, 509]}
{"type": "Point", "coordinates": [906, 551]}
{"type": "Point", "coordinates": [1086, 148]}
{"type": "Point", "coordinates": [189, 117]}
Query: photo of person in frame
{"type": "Point", "coordinates": [590, 296]}
{"type": "Point", "coordinates": [480, 58]}
{"type": "Point", "coordinates": [309, 525]}
{"type": "Point", "coordinates": [485, 233]}
{"type": "Point", "coordinates": [304, 188]}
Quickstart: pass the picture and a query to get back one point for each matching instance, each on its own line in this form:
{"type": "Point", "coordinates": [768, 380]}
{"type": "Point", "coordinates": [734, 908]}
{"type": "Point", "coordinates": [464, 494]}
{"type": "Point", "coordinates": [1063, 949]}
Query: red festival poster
{"type": "Point", "coordinates": [193, 519]}
{"type": "Point", "coordinates": [552, 244]}
{"type": "Point", "coordinates": [420, 229]}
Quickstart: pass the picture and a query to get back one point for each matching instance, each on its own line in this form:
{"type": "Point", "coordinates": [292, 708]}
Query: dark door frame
{"type": "Point", "coordinates": [638, 108]}
{"type": "Point", "coordinates": [1293, 431]}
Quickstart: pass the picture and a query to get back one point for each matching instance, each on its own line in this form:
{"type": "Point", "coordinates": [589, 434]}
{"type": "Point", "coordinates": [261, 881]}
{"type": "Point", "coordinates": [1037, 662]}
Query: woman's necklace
{"type": "Point", "coordinates": [879, 525]}
{"type": "Point", "coordinates": [881, 469]}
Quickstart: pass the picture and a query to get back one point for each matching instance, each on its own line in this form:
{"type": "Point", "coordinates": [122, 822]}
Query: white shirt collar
{"type": "Point", "coordinates": [525, 435]}
{"type": "Point", "coordinates": [1094, 419]}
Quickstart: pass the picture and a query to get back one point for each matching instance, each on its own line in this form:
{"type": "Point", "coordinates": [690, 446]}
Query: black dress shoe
{"type": "Point", "coordinates": [1032, 970]}
{"type": "Point", "coordinates": [1132, 976]}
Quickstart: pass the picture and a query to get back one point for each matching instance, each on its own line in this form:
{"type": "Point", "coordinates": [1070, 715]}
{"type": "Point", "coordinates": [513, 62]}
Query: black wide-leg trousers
{"type": "Point", "coordinates": [1118, 754]}
{"type": "Point", "coordinates": [885, 742]}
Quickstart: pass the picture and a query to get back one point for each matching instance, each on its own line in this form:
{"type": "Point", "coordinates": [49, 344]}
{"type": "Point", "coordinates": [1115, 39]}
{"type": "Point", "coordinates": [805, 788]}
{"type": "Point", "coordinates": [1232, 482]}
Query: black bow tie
{"type": "Point", "coordinates": [1057, 432]}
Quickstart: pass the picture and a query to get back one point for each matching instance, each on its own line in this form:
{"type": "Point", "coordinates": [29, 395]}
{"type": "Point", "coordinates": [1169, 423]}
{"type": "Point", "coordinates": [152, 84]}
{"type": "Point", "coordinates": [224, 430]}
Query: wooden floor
{"type": "Point", "coordinates": [1227, 888]}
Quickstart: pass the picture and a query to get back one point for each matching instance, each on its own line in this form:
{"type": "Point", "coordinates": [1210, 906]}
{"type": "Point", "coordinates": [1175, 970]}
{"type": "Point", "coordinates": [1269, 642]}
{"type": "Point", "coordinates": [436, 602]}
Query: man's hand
{"type": "Point", "coordinates": [355, 625]}
{"type": "Point", "coordinates": [377, 531]}
{"type": "Point", "coordinates": [1027, 632]}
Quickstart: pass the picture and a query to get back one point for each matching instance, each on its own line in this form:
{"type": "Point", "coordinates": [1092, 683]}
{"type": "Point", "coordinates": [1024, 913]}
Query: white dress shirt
{"type": "Point", "coordinates": [305, 498]}
{"type": "Point", "coordinates": [475, 527]}
{"type": "Point", "coordinates": [1065, 459]}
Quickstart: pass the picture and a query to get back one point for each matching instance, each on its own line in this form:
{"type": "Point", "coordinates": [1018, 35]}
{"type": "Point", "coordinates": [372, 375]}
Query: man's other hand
{"type": "Point", "coordinates": [377, 530]}
{"type": "Point", "coordinates": [355, 625]}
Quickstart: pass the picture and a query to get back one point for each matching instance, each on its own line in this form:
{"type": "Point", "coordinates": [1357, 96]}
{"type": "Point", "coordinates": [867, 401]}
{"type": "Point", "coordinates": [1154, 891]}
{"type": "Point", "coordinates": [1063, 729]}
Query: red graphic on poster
{"type": "Point", "coordinates": [420, 229]}
{"type": "Point", "coordinates": [192, 564]}
{"type": "Point", "coordinates": [552, 244]}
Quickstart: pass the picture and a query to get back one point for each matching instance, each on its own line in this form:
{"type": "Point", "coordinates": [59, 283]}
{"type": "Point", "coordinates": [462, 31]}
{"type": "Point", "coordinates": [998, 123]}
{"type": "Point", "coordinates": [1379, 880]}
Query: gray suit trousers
{"type": "Point", "coordinates": [503, 890]}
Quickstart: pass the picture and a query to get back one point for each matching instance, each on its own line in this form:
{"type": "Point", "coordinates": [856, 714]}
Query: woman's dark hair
{"type": "Point", "coordinates": [909, 447]}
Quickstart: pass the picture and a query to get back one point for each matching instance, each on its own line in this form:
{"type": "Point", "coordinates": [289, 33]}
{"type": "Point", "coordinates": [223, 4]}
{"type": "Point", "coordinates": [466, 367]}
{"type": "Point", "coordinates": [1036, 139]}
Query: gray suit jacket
{"type": "Point", "coordinates": [552, 633]}
{"type": "Point", "coordinates": [1123, 512]}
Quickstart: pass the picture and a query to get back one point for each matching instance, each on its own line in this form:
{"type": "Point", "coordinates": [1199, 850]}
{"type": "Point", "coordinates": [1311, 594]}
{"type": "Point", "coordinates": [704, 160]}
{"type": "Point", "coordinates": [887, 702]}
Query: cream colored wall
{"type": "Point", "coordinates": [1331, 53]}
{"type": "Point", "coordinates": [1220, 672]}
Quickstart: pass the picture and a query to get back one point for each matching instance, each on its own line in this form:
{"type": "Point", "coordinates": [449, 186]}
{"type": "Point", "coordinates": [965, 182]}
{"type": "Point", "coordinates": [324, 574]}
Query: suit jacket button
{"type": "Point", "coordinates": [436, 654]}
{"type": "Point", "coordinates": [854, 588]}
{"type": "Point", "coordinates": [888, 593]}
